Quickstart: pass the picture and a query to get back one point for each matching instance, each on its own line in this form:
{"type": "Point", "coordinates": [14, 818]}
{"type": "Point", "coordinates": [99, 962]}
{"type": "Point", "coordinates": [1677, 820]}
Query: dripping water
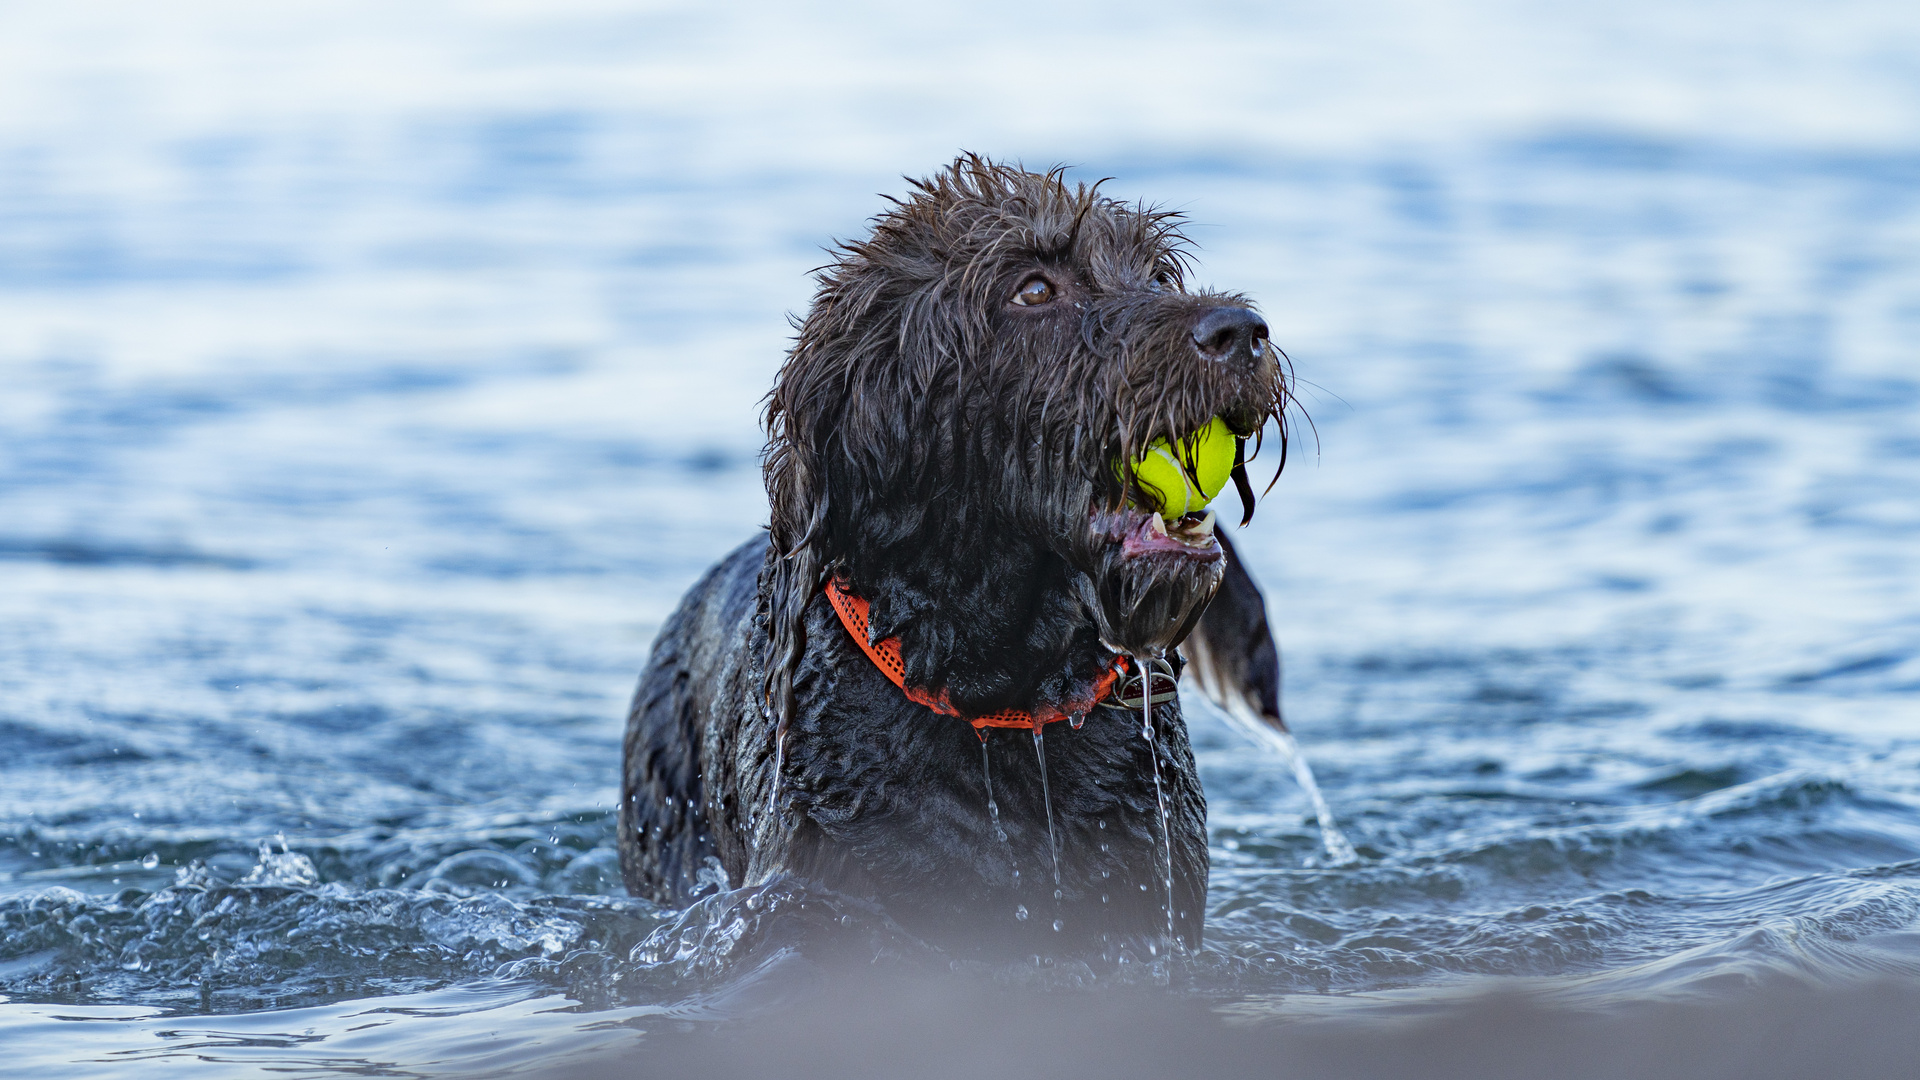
{"type": "Point", "coordinates": [779, 762]}
{"type": "Point", "coordinates": [993, 813]}
{"type": "Point", "coordinates": [1159, 793]}
{"type": "Point", "coordinates": [1339, 850]}
{"type": "Point", "coordinates": [986, 775]}
{"type": "Point", "coordinates": [1046, 800]}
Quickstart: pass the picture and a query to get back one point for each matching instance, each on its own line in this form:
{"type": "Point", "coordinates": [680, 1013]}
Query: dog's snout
{"type": "Point", "coordinates": [1225, 332]}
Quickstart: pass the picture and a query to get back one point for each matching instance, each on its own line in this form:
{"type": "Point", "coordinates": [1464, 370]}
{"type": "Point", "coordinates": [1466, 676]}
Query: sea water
{"type": "Point", "coordinates": [375, 383]}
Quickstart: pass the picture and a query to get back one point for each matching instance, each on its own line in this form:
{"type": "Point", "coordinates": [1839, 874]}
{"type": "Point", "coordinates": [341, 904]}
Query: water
{"type": "Point", "coordinates": [375, 383]}
{"type": "Point", "coordinates": [1046, 800]}
{"type": "Point", "coordinates": [1339, 849]}
{"type": "Point", "coordinates": [1257, 731]}
{"type": "Point", "coordinates": [1145, 666]}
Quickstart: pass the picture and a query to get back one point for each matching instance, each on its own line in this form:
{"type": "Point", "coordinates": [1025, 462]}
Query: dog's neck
{"type": "Point", "coordinates": [995, 626]}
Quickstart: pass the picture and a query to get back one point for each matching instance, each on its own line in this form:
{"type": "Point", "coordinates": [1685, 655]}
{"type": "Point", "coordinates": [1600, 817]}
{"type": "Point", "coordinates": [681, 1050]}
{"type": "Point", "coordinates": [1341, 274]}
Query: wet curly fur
{"type": "Point", "coordinates": [946, 451]}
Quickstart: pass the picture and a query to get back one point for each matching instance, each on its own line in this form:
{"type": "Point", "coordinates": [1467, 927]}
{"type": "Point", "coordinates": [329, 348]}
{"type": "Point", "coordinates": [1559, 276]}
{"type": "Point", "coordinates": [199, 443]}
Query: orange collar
{"type": "Point", "coordinates": [885, 655]}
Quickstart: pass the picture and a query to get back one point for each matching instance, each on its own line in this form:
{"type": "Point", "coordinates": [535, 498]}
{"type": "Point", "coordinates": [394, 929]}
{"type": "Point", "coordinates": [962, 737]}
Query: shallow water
{"type": "Point", "coordinates": [360, 431]}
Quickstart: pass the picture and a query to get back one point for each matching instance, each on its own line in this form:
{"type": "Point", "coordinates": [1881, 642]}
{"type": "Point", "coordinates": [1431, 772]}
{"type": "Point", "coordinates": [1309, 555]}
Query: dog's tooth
{"type": "Point", "coordinates": [1158, 523]}
{"type": "Point", "coordinates": [1205, 528]}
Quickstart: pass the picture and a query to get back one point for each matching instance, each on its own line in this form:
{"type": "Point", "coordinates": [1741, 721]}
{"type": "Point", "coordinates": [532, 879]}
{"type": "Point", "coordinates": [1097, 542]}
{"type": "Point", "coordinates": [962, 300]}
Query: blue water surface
{"type": "Point", "coordinates": [372, 389]}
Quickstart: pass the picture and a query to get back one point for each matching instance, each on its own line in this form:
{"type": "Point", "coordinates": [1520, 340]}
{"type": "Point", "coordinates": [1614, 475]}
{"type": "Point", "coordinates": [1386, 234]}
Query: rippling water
{"type": "Point", "coordinates": [374, 386]}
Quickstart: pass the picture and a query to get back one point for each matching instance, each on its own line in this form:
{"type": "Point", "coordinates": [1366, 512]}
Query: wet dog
{"type": "Point", "coordinates": [866, 697]}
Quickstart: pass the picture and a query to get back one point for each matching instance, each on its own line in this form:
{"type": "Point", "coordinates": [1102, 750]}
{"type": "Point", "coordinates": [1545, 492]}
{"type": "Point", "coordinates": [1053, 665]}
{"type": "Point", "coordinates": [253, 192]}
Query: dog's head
{"type": "Point", "coordinates": [947, 431]}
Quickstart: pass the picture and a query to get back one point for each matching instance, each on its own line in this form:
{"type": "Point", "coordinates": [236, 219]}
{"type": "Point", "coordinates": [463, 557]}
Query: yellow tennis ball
{"type": "Point", "coordinates": [1174, 490]}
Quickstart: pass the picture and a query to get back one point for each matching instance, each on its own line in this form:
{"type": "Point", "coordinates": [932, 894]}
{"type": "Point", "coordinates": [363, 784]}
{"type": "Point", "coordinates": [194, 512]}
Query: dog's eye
{"type": "Point", "coordinates": [1036, 291]}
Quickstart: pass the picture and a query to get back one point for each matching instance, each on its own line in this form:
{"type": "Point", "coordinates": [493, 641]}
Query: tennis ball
{"type": "Point", "coordinates": [1208, 455]}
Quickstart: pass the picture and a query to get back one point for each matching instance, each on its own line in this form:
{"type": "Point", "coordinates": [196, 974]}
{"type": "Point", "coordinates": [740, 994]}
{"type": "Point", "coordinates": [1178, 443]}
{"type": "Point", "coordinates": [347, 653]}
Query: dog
{"type": "Point", "coordinates": [867, 697]}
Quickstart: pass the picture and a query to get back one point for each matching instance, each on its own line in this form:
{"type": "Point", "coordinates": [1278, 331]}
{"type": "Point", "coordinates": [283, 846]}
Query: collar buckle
{"type": "Point", "coordinates": [1165, 685]}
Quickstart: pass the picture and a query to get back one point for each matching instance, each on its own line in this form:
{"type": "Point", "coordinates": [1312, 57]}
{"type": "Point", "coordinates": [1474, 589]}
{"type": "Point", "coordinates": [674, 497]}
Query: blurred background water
{"type": "Point", "coordinates": [374, 378]}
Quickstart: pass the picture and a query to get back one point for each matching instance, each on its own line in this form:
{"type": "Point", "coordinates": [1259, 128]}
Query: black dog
{"type": "Point", "coordinates": [943, 449]}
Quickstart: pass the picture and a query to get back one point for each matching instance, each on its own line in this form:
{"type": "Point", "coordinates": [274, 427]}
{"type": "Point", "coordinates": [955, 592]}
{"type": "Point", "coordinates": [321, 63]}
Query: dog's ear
{"type": "Point", "coordinates": [1231, 651]}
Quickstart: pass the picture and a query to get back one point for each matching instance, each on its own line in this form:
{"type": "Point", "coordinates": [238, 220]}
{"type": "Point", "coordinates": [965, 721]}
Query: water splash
{"type": "Point", "coordinates": [284, 868]}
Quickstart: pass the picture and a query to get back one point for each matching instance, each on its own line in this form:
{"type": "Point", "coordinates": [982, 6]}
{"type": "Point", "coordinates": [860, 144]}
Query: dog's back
{"type": "Point", "coordinates": [667, 844]}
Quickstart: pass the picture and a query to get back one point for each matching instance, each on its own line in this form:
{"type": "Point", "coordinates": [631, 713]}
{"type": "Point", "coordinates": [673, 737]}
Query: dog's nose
{"type": "Point", "coordinates": [1225, 332]}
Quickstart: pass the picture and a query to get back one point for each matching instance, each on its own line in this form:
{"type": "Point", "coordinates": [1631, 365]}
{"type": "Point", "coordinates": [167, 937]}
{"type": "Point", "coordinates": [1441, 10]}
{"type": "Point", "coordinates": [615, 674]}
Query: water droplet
{"type": "Point", "coordinates": [1103, 824]}
{"type": "Point", "coordinates": [1056, 894]}
{"type": "Point", "coordinates": [150, 861]}
{"type": "Point", "coordinates": [1078, 720]}
{"type": "Point", "coordinates": [1046, 800]}
{"type": "Point", "coordinates": [1020, 913]}
{"type": "Point", "coordinates": [1056, 925]}
{"type": "Point", "coordinates": [1103, 898]}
